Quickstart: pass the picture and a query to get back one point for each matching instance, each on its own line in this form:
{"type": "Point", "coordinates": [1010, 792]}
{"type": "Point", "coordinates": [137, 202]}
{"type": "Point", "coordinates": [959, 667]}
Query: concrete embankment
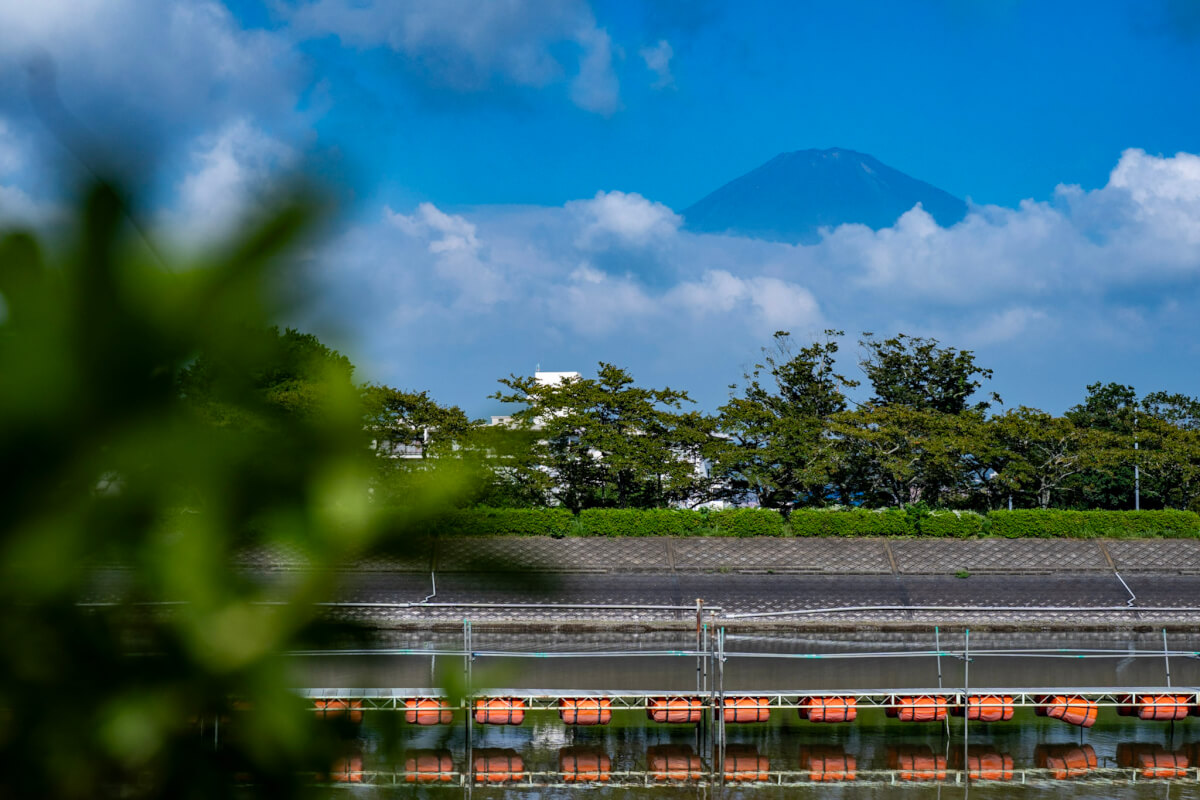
{"type": "Point", "coordinates": [824, 584]}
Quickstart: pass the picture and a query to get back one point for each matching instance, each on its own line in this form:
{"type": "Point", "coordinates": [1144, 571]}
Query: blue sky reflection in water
{"type": "Point", "coordinates": [514, 176]}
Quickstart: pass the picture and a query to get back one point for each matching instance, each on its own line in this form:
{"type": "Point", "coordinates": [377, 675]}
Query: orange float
{"type": "Point", "coordinates": [500, 711]}
{"type": "Point", "coordinates": [923, 708]}
{"type": "Point", "coordinates": [585, 711]}
{"type": "Point", "coordinates": [675, 709]}
{"type": "Point", "coordinates": [829, 709]}
{"type": "Point", "coordinates": [332, 709]}
{"type": "Point", "coordinates": [1163, 707]}
{"type": "Point", "coordinates": [747, 709]}
{"type": "Point", "coordinates": [1070, 709]}
{"type": "Point", "coordinates": [987, 708]}
{"type": "Point", "coordinates": [427, 711]}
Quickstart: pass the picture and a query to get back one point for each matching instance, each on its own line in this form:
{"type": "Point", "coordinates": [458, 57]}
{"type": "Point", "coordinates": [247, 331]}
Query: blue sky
{"type": "Point", "coordinates": [511, 174]}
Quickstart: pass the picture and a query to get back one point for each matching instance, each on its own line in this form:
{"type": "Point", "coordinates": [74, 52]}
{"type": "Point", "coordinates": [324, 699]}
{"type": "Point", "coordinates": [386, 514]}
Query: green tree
{"type": "Point", "coordinates": [273, 374]}
{"type": "Point", "coordinates": [897, 455]}
{"type": "Point", "coordinates": [1110, 411]}
{"type": "Point", "coordinates": [920, 374]}
{"type": "Point", "coordinates": [608, 443]}
{"type": "Point", "coordinates": [1169, 452]}
{"type": "Point", "coordinates": [412, 425]}
{"type": "Point", "coordinates": [1033, 454]}
{"type": "Point", "coordinates": [778, 447]}
{"type": "Point", "coordinates": [509, 473]}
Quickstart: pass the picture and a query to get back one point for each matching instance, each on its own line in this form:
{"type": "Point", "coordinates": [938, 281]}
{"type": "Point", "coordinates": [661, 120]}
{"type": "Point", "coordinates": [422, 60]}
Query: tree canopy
{"type": "Point", "coordinates": [607, 442]}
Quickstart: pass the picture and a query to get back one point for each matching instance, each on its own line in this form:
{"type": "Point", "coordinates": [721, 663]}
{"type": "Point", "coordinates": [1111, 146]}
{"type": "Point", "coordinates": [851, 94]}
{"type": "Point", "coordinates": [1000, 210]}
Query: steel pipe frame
{"type": "Point", "coordinates": [1042, 777]}
{"type": "Point", "coordinates": [987, 609]}
{"type": "Point", "coordinates": [636, 701]}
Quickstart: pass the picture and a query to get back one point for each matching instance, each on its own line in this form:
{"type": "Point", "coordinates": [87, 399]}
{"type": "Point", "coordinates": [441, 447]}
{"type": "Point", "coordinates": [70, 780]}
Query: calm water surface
{"type": "Point", "coordinates": [872, 757]}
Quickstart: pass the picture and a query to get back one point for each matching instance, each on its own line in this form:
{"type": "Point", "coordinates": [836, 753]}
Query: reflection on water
{"type": "Point", "coordinates": [1119, 757]}
{"type": "Point", "coordinates": [541, 757]}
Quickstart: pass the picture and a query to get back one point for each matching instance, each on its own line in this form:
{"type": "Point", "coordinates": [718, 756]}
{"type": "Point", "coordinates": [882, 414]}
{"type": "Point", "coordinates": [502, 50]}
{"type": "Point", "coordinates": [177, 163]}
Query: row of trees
{"type": "Point", "coordinates": [789, 436]}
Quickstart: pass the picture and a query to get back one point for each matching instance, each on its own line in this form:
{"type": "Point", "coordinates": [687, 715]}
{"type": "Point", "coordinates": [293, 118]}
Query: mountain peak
{"type": "Point", "coordinates": [795, 194]}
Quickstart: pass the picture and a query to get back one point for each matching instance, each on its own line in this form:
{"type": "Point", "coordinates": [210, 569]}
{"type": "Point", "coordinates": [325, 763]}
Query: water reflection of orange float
{"type": "Point", "coordinates": [674, 762]}
{"type": "Point", "coordinates": [429, 766]}
{"type": "Point", "coordinates": [743, 763]}
{"type": "Point", "coordinates": [347, 770]}
{"type": "Point", "coordinates": [584, 765]}
{"type": "Point", "coordinates": [984, 763]}
{"type": "Point", "coordinates": [828, 763]}
{"type": "Point", "coordinates": [494, 765]}
{"type": "Point", "coordinates": [1065, 761]}
{"type": "Point", "coordinates": [1153, 761]}
{"type": "Point", "coordinates": [917, 763]}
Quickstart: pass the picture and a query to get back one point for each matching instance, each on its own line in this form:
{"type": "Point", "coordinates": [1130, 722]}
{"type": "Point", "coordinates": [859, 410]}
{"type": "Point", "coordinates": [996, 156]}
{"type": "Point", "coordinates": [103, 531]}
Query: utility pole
{"type": "Point", "coordinates": [1137, 475]}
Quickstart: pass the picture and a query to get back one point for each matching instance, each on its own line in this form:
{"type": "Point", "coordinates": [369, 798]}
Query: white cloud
{"type": "Point", "coordinates": [145, 69]}
{"type": "Point", "coordinates": [593, 304]}
{"type": "Point", "coordinates": [658, 61]}
{"type": "Point", "coordinates": [1006, 325]}
{"type": "Point", "coordinates": [469, 46]}
{"type": "Point", "coordinates": [768, 304]}
{"type": "Point", "coordinates": [454, 233]}
{"type": "Point", "coordinates": [595, 88]}
{"type": "Point", "coordinates": [623, 218]}
{"type": "Point", "coordinates": [1072, 285]}
{"type": "Point", "coordinates": [230, 175]}
{"type": "Point", "coordinates": [459, 256]}
{"type": "Point", "coordinates": [1143, 224]}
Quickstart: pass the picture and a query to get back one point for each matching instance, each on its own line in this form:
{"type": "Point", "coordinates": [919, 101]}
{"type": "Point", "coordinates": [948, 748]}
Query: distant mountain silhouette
{"type": "Point", "coordinates": [793, 195]}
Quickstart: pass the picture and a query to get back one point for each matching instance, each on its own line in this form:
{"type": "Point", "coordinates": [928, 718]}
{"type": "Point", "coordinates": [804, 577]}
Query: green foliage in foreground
{"type": "Point", "coordinates": [743, 522]}
{"type": "Point", "coordinates": [140, 427]}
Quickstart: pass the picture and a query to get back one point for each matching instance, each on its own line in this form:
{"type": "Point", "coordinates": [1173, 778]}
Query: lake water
{"type": "Point", "coordinates": [1029, 756]}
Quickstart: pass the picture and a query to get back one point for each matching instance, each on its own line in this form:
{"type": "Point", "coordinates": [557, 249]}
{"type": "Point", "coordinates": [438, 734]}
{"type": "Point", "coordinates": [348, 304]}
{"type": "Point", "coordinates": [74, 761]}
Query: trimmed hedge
{"type": "Point", "coordinates": [743, 522]}
{"type": "Point", "coordinates": [952, 524]}
{"type": "Point", "coordinates": [851, 522]}
{"type": "Point", "coordinates": [1095, 524]}
{"type": "Point", "coordinates": [746, 522]}
{"type": "Point", "coordinates": [638, 522]}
